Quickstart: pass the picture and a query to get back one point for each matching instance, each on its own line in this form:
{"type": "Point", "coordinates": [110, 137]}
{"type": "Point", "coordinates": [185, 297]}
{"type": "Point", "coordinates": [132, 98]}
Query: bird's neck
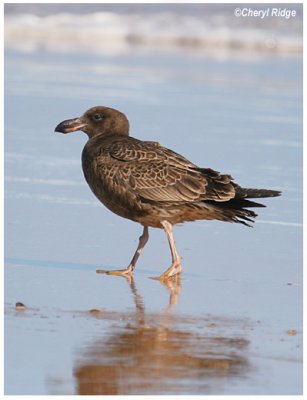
{"type": "Point", "coordinates": [110, 132]}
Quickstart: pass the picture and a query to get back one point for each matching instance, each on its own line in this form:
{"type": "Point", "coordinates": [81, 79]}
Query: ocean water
{"type": "Point", "coordinates": [224, 91]}
{"type": "Point", "coordinates": [214, 27]}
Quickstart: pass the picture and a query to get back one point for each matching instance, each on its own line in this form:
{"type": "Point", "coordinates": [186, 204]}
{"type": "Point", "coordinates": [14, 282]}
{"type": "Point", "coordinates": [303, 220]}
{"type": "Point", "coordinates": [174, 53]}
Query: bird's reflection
{"type": "Point", "coordinates": [161, 354]}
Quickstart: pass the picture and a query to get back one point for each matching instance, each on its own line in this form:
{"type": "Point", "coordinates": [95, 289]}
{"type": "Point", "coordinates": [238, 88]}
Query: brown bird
{"type": "Point", "coordinates": [152, 185]}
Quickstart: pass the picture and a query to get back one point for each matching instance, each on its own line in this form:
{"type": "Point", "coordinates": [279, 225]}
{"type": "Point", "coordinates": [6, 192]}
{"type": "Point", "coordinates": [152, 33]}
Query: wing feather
{"type": "Point", "coordinates": [155, 173]}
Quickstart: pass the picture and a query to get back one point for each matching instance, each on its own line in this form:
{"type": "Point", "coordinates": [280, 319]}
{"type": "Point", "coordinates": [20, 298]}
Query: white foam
{"type": "Point", "coordinates": [283, 223]}
{"type": "Point", "coordinates": [111, 32]}
{"type": "Point", "coordinates": [50, 199]}
{"type": "Point", "coordinates": [38, 181]}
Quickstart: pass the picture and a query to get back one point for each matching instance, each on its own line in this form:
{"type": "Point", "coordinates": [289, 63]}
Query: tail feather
{"type": "Point", "coordinates": [236, 209]}
{"type": "Point", "coordinates": [231, 211]}
{"type": "Point", "coordinates": [255, 193]}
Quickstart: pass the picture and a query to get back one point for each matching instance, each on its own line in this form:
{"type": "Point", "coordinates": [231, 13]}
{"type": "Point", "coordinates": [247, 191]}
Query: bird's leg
{"type": "Point", "coordinates": [128, 271]}
{"type": "Point", "coordinates": [176, 266]}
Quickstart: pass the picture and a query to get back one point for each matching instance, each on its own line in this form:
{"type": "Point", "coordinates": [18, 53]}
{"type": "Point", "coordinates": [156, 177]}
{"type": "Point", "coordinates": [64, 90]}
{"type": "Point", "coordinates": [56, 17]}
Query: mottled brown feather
{"type": "Point", "coordinates": [156, 173]}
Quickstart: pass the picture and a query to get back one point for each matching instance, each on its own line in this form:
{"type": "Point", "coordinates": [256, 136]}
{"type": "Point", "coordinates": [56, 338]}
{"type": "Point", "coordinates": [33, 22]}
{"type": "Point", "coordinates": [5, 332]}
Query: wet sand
{"type": "Point", "coordinates": [233, 325]}
{"type": "Point", "coordinates": [84, 333]}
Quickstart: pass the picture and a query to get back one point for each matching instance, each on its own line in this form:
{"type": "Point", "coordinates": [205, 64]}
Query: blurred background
{"type": "Point", "coordinates": [226, 92]}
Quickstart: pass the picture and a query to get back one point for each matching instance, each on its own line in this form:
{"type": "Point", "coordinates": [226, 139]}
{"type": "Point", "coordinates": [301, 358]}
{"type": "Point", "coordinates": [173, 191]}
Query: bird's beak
{"type": "Point", "coordinates": [70, 125]}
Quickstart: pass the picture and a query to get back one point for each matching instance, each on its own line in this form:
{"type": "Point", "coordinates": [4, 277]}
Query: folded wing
{"type": "Point", "coordinates": [157, 174]}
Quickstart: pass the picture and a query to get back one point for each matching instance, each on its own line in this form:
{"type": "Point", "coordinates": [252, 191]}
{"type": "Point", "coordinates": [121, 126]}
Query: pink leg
{"type": "Point", "coordinates": [129, 270]}
{"type": "Point", "coordinates": [176, 267]}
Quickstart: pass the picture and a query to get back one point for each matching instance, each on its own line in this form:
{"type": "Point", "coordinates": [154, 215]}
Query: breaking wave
{"type": "Point", "coordinates": [205, 28]}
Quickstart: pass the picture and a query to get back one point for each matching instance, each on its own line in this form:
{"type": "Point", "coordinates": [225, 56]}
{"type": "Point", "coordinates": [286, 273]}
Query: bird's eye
{"type": "Point", "coordinates": [97, 117]}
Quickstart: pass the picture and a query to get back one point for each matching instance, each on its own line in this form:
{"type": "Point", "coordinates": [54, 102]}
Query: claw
{"type": "Point", "coordinates": [119, 272]}
{"type": "Point", "coordinates": [172, 272]}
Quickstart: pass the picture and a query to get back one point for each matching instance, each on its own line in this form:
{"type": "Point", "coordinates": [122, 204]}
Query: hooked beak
{"type": "Point", "coordinates": [70, 125]}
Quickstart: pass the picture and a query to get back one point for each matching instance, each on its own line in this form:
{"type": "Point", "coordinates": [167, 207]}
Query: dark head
{"type": "Point", "coordinates": [95, 121]}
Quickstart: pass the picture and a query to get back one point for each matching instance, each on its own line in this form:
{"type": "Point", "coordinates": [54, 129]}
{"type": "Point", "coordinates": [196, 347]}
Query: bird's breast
{"type": "Point", "coordinates": [101, 175]}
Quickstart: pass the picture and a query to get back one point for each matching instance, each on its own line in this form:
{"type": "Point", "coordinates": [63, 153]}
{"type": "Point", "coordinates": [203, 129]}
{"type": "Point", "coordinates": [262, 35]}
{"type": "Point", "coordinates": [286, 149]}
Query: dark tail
{"type": "Point", "coordinates": [236, 209]}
